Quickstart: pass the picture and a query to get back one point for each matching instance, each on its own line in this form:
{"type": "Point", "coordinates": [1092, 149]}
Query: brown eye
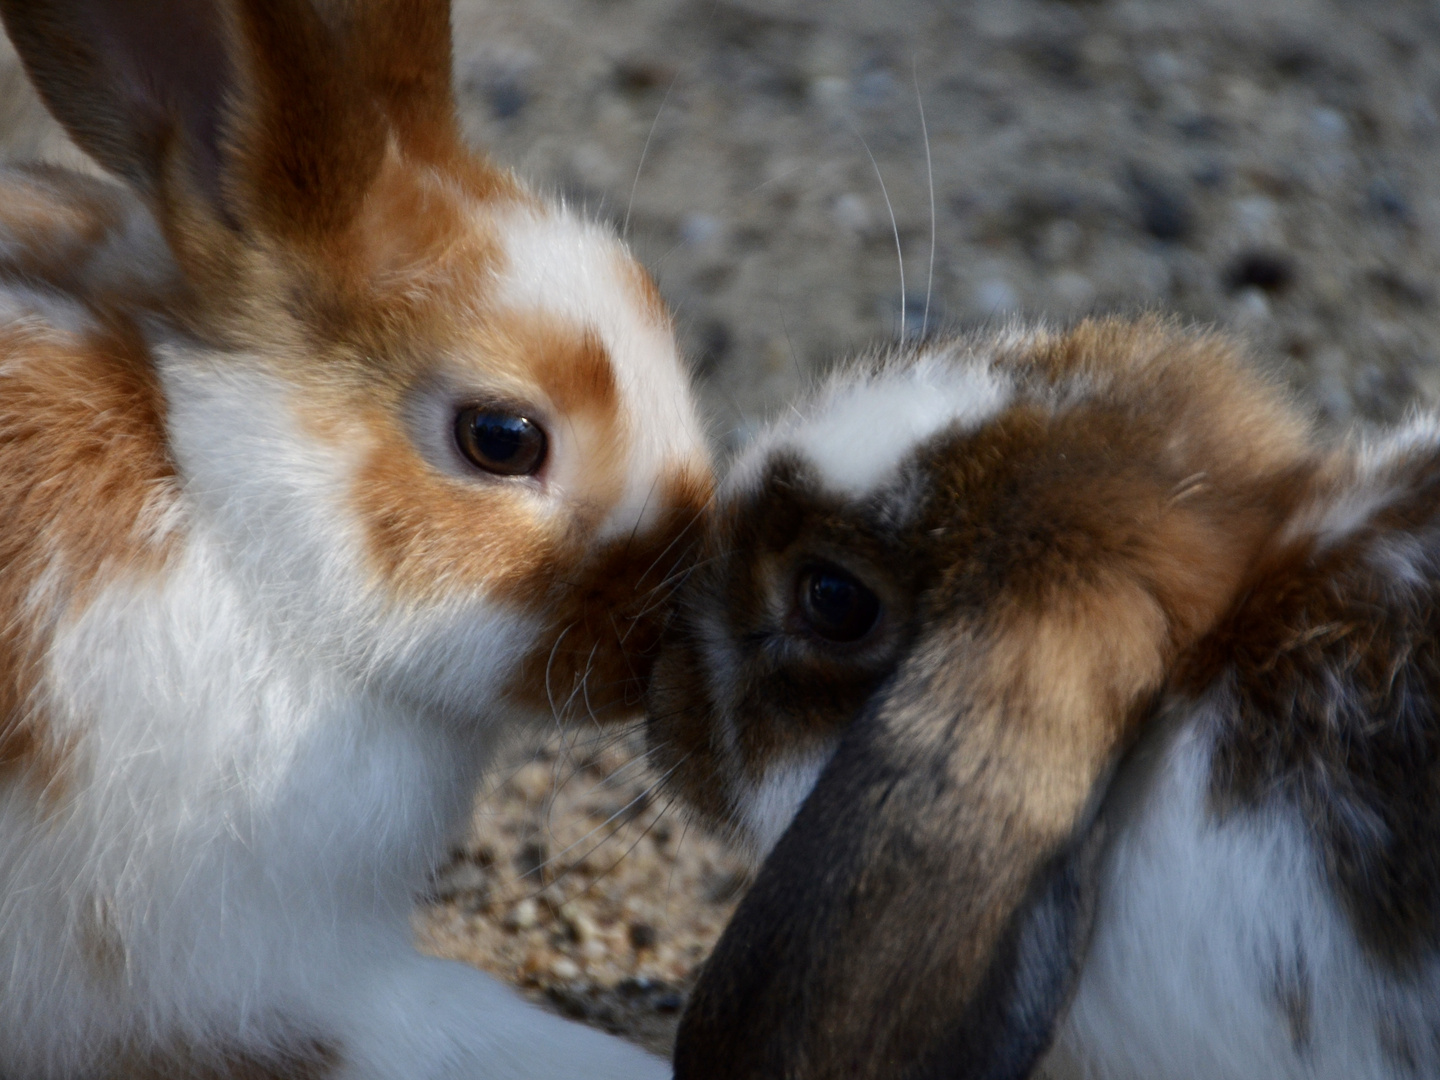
{"type": "Point", "coordinates": [500, 442]}
{"type": "Point", "coordinates": [834, 605]}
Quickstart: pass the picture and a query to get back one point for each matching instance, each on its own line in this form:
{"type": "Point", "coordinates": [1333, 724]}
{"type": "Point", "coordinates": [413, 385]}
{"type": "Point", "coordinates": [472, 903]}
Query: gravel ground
{"type": "Point", "coordinates": [578, 886]}
{"type": "Point", "coordinates": [1268, 165]}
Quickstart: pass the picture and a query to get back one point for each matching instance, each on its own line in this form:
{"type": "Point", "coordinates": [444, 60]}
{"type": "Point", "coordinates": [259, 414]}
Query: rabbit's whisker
{"type": "Point", "coordinates": [640, 798]}
{"type": "Point", "coordinates": [549, 664]}
{"type": "Point", "coordinates": [603, 874]}
{"type": "Point", "coordinates": [644, 151]}
{"type": "Point", "coordinates": [894, 225]}
{"type": "Point", "coordinates": [667, 548]}
{"type": "Point", "coordinates": [930, 183]}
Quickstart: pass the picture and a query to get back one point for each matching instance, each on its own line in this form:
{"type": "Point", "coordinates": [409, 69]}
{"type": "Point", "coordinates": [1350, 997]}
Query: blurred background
{"type": "Point", "coordinates": [1272, 166]}
{"type": "Point", "coordinates": [1269, 165]}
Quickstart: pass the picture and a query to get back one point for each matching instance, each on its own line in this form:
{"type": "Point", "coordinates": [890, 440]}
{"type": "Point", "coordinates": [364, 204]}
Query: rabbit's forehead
{"type": "Point", "coordinates": [861, 430]}
{"type": "Point", "coordinates": [561, 270]}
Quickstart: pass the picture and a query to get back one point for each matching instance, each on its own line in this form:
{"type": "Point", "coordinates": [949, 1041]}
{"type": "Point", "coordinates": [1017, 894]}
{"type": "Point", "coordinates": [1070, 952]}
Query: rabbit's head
{"type": "Point", "coordinates": [437, 425]}
{"type": "Point", "coordinates": [933, 609]}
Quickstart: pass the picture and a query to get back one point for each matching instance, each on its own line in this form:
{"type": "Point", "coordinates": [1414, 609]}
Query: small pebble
{"type": "Point", "coordinates": [1329, 125]}
{"type": "Point", "coordinates": [463, 877]}
{"type": "Point", "coordinates": [829, 90]}
{"type": "Point", "coordinates": [530, 858]}
{"type": "Point", "coordinates": [1270, 271]}
{"type": "Point", "coordinates": [642, 936]}
{"type": "Point", "coordinates": [875, 88]}
{"type": "Point", "coordinates": [702, 230]}
{"type": "Point", "coordinates": [1257, 216]}
{"type": "Point", "coordinates": [533, 781]}
{"type": "Point", "coordinates": [1386, 200]}
{"type": "Point", "coordinates": [1073, 291]}
{"type": "Point", "coordinates": [1165, 211]}
{"type": "Point", "coordinates": [851, 213]}
{"type": "Point", "coordinates": [578, 925]}
{"type": "Point", "coordinates": [1060, 241]}
{"type": "Point", "coordinates": [522, 916]}
{"type": "Point", "coordinates": [636, 76]}
{"type": "Point", "coordinates": [1251, 306]}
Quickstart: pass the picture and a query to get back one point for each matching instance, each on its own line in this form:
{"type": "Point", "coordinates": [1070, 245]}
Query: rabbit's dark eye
{"type": "Point", "coordinates": [500, 442]}
{"type": "Point", "coordinates": [834, 605]}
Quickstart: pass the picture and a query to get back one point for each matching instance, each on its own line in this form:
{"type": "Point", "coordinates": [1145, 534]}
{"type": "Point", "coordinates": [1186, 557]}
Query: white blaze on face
{"type": "Point", "coordinates": [867, 430]}
{"type": "Point", "coordinates": [769, 806]}
{"type": "Point", "coordinates": [859, 432]}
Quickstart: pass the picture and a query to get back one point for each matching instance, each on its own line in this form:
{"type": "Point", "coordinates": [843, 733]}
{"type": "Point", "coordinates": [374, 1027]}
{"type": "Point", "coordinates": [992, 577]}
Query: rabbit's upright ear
{"type": "Point", "coordinates": [267, 117]}
{"type": "Point", "coordinates": [131, 80]}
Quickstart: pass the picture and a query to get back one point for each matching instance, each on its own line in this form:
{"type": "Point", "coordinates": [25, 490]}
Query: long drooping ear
{"type": "Point", "coordinates": [269, 115]}
{"type": "Point", "coordinates": [925, 914]}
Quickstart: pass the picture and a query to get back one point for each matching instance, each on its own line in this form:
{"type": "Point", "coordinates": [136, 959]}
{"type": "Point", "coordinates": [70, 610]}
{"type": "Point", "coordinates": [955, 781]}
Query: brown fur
{"type": "Point", "coordinates": [1334, 667]}
{"type": "Point", "coordinates": [922, 915]}
{"type": "Point", "coordinates": [81, 425]}
{"type": "Point", "coordinates": [77, 235]}
{"type": "Point", "coordinates": [50, 220]}
{"type": "Point", "coordinates": [607, 612]}
{"type": "Point", "coordinates": [789, 694]}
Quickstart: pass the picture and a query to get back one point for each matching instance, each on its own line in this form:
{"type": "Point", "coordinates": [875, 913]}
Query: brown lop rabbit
{"type": "Point", "coordinates": [1078, 695]}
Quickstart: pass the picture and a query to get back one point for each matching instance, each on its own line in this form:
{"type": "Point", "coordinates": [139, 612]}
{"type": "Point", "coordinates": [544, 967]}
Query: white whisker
{"type": "Point", "coordinates": [894, 225]}
{"type": "Point", "coordinates": [930, 180]}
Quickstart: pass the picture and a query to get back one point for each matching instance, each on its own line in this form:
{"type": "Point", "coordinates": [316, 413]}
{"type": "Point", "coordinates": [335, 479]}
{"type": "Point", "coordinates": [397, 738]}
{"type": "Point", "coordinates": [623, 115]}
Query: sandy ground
{"type": "Point", "coordinates": [1269, 165]}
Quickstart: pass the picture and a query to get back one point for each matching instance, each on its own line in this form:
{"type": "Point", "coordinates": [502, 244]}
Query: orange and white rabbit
{"type": "Point", "coordinates": [328, 454]}
{"type": "Point", "coordinates": [1083, 697]}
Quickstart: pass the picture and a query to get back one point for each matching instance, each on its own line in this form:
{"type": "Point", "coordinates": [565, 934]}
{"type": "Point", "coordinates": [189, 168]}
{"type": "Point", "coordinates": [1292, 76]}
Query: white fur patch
{"type": "Point", "coordinates": [859, 431]}
{"type": "Point", "coordinates": [769, 806]}
{"type": "Point", "coordinates": [867, 430]}
{"type": "Point", "coordinates": [1219, 952]}
{"type": "Point", "coordinates": [1379, 479]}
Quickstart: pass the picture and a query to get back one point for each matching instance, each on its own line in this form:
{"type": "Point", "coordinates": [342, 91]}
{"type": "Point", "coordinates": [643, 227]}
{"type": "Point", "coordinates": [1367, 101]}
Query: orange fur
{"type": "Point", "coordinates": [81, 426]}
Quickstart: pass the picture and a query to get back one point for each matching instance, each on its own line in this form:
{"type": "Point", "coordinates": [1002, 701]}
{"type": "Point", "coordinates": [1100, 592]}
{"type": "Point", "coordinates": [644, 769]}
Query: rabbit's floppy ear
{"type": "Point", "coordinates": [261, 115]}
{"type": "Point", "coordinates": [925, 913]}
